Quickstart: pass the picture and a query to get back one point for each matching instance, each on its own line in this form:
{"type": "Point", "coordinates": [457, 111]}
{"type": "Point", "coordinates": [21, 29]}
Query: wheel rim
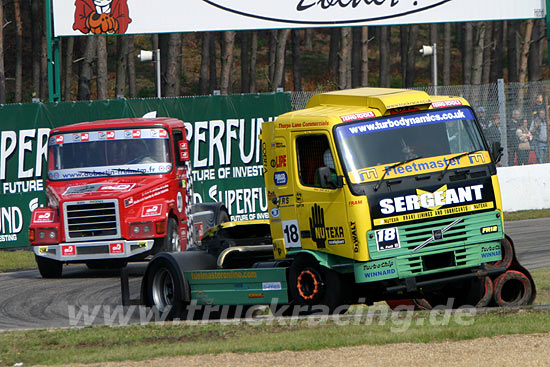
{"type": "Point", "coordinates": [309, 284]}
{"type": "Point", "coordinates": [163, 289]}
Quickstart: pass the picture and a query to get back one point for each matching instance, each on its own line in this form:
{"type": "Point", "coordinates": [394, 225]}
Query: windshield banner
{"type": "Point", "coordinates": [418, 119]}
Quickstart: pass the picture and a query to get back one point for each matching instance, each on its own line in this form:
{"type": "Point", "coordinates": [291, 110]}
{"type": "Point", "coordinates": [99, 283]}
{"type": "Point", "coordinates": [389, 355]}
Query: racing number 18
{"type": "Point", "coordinates": [291, 233]}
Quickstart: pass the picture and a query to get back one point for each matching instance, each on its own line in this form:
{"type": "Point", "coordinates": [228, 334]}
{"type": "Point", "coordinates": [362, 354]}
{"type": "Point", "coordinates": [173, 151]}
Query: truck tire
{"type": "Point", "coordinates": [512, 289]}
{"type": "Point", "coordinates": [222, 217]}
{"type": "Point", "coordinates": [315, 288]}
{"type": "Point", "coordinates": [164, 289]}
{"type": "Point", "coordinates": [171, 242]}
{"type": "Point", "coordinates": [49, 268]}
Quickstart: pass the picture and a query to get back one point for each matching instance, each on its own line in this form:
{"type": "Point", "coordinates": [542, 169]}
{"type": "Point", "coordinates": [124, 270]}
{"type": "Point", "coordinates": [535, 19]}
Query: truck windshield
{"type": "Point", "coordinates": [108, 153]}
{"type": "Point", "coordinates": [367, 144]}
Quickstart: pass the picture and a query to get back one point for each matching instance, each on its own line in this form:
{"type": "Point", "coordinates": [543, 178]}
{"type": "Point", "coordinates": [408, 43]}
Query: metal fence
{"type": "Point", "coordinates": [509, 113]}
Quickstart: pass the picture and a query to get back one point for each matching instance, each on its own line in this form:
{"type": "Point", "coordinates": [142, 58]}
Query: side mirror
{"type": "Point", "coordinates": [328, 178]}
{"type": "Point", "coordinates": [496, 151]}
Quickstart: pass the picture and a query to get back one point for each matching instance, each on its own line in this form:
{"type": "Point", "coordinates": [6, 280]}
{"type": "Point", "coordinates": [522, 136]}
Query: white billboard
{"type": "Point", "coordinates": [82, 17]}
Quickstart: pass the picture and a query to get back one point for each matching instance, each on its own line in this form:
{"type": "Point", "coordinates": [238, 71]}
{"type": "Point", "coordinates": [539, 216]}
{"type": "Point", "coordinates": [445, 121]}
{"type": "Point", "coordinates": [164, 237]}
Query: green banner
{"type": "Point", "coordinates": [224, 147]}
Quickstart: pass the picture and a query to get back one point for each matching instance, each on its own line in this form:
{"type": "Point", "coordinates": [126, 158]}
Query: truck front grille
{"type": "Point", "coordinates": [91, 220]}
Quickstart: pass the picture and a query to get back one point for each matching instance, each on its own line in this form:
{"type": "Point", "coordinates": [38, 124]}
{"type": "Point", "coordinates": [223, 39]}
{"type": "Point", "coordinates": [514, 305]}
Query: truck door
{"type": "Point", "coordinates": [181, 155]}
{"type": "Point", "coordinates": [320, 208]}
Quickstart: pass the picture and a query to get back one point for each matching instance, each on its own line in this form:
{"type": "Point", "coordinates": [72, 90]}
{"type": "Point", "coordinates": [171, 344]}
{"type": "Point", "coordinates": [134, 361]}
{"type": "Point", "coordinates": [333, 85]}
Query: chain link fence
{"type": "Point", "coordinates": [509, 113]}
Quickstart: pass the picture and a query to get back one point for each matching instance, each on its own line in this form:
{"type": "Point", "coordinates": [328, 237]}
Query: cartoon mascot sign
{"type": "Point", "coordinates": [101, 16]}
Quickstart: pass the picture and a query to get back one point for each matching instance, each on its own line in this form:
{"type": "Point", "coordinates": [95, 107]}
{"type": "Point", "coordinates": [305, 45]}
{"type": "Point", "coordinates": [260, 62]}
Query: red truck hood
{"type": "Point", "coordinates": [107, 188]}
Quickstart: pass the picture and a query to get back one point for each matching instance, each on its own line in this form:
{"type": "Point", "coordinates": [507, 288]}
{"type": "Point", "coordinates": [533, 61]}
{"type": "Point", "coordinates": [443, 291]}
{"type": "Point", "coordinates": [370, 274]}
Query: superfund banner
{"type": "Point", "coordinates": [83, 17]}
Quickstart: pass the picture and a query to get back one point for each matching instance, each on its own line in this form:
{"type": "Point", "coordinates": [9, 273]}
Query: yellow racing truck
{"type": "Point", "coordinates": [374, 194]}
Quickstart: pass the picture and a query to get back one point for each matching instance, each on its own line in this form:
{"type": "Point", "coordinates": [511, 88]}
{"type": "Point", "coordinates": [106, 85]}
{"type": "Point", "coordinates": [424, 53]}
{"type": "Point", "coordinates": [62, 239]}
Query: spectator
{"type": "Point", "coordinates": [538, 129]}
{"type": "Point", "coordinates": [539, 104]}
{"type": "Point", "coordinates": [492, 129]}
{"type": "Point", "coordinates": [513, 125]}
{"type": "Point", "coordinates": [481, 117]}
{"type": "Point", "coordinates": [524, 139]}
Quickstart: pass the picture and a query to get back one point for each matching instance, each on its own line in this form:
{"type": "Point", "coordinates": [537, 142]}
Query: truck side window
{"type": "Point", "coordinates": [313, 152]}
{"type": "Point", "coordinates": [177, 137]}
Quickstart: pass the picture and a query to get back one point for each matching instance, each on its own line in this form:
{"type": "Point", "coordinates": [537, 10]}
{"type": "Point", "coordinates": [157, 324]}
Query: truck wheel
{"type": "Point", "coordinates": [314, 288]}
{"type": "Point", "coordinates": [512, 289]}
{"type": "Point", "coordinates": [164, 289]}
{"type": "Point", "coordinates": [222, 217]}
{"type": "Point", "coordinates": [171, 242]}
{"type": "Point", "coordinates": [49, 268]}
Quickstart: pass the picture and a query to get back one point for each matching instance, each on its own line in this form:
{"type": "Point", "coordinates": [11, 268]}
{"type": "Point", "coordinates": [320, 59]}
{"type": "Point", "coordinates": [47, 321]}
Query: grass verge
{"type": "Point", "coordinates": [13, 260]}
{"type": "Point", "coordinates": [145, 342]}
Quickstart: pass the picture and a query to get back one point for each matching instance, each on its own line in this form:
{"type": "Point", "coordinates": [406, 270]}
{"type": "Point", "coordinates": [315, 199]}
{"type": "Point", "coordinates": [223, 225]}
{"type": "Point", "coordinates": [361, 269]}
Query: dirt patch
{"type": "Point", "coordinates": [510, 350]}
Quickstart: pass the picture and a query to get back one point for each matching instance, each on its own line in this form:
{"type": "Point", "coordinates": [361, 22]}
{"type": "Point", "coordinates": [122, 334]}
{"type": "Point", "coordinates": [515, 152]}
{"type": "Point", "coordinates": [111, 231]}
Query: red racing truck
{"type": "Point", "coordinates": [117, 191]}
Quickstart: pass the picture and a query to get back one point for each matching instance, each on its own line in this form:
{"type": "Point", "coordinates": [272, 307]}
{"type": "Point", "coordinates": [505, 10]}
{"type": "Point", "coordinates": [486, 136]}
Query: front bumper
{"type": "Point", "coordinates": [98, 250]}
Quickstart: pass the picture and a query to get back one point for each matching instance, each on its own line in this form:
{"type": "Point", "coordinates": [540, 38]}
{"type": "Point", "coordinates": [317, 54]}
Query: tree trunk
{"type": "Point", "coordinates": [132, 89]}
{"type": "Point", "coordinates": [18, 52]}
{"type": "Point", "coordinates": [253, 61]}
{"type": "Point", "coordinates": [488, 45]}
{"type": "Point", "coordinates": [37, 14]}
{"type": "Point", "coordinates": [213, 74]}
{"type": "Point", "coordinates": [526, 44]}
{"type": "Point", "coordinates": [308, 38]}
{"type": "Point", "coordinates": [296, 62]}
{"type": "Point", "coordinates": [227, 61]}
{"type": "Point", "coordinates": [404, 46]}
{"type": "Point", "coordinates": [344, 61]}
{"type": "Point", "coordinates": [272, 57]}
{"type": "Point", "coordinates": [86, 68]}
{"type": "Point", "coordinates": [205, 58]}
{"type": "Point", "coordinates": [278, 74]}
{"type": "Point", "coordinates": [102, 72]}
{"type": "Point", "coordinates": [411, 56]}
{"type": "Point", "coordinates": [513, 48]}
{"type": "Point", "coordinates": [477, 65]}
{"type": "Point", "coordinates": [69, 52]}
{"type": "Point", "coordinates": [121, 67]}
{"type": "Point", "coordinates": [356, 35]}
{"type": "Point", "coordinates": [447, 55]}
{"type": "Point", "coordinates": [384, 41]}
{"type": "Point", "coordinates": [364, 56]}
{"type": "Point", "coordinates": [535, 55]}
{"type": "Point", "coordinates": [172, 71]}
{"type": "Point", "coordinates": [2, 67]}
{"type": "Point", "coordinates": [333, 52]}
{"type": "Point", "coordinates": [245, 61]}
{"type": "Point", "coordinates": [467, 54]}
{"type": "Point", "coordinates": [497, 52]}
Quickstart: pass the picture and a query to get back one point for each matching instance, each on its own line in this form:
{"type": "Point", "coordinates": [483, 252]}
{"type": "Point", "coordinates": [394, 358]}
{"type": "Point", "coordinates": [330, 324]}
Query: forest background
{"type": "Point", "coordinates": [106, 67]}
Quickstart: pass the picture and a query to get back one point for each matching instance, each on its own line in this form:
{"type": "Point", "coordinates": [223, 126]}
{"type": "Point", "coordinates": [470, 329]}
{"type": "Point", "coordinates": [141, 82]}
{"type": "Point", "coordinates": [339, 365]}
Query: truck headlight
{"type": "Point", "coordinates": [141, 229]}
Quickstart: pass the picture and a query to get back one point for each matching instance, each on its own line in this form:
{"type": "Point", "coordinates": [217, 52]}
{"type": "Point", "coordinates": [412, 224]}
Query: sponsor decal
{"type": "Point", "coordinates": [280, 161]}
{"type": "Point", "coordinates": [128, 202]}
{"type": "Point", "coordinates": [491, 253]}
{"type": "Point", "coordinates": [275, 212]}
{"type": "Point", "coordinates": [142, 244]}
{"type": "Point", "coordinates": [116, 248]}
{"type": "Point", "coordinates": [433, 201]}
{"type": "Point", "coordinates": [449, 103]}
{"type": "Point", "coordinates": [283, 125]}
{"type": "Point", "coordinates": [59, 139]}
{"type": "Point", "coordinates": [354, 237]}
{"type": "Point", "coordinates": [110, 135]}
{"type": "Point", "coordinates": [280, 178]}
{"type": "Point", "coordinates": [117, 187]}
{"type": "Point", "coordinates": [271, 286]}
{"type": "Point", "coordinates": [489, 229]}
{"type": "Point", "coordinates": [42, 217]}
{"type": "Point", "coordinates": [42, 249]}
{"type": "Point", "coordinates": [399, 122]}
{"type": "Point", "coordinates": [199, 229]}
{"type": "Point", "coordinates": [184, 150]}
{"type": "Point", "coordinates": [379, 270]}
{"type": "Point", "coordinates": [230, 274]}
{"type": "Point", "coordinates": [435, 213]}
{"type": "Point", "coordinates": [151, 210]}
{"type": "Point", "coordinates": [163, 133]}
{"type": "Point", "coordinates": [285, 200]}
{"type": "Point", "coordinates": [322, 234]}
{"type": "Point", "coordinates": [136, 134]}
{"type": "Point", "coordinates": [85, 137]}
{"type": "Point", "coordinates": [76, 137]}
{"type": "Point", "coordinates": [357, 116]}
{"type": "Point", "coordinates": [68, 250]}
{"type": "Point", "coordinates": [355, 202]}
{"type": "Point", "coordinates": [419, 166]}
{"type": "Point", "coordinates": [256, 295]}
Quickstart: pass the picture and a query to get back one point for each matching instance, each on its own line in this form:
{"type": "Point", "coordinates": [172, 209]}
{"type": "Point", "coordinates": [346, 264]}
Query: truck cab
{"type": "Point", "coordinates": [117, 191]}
